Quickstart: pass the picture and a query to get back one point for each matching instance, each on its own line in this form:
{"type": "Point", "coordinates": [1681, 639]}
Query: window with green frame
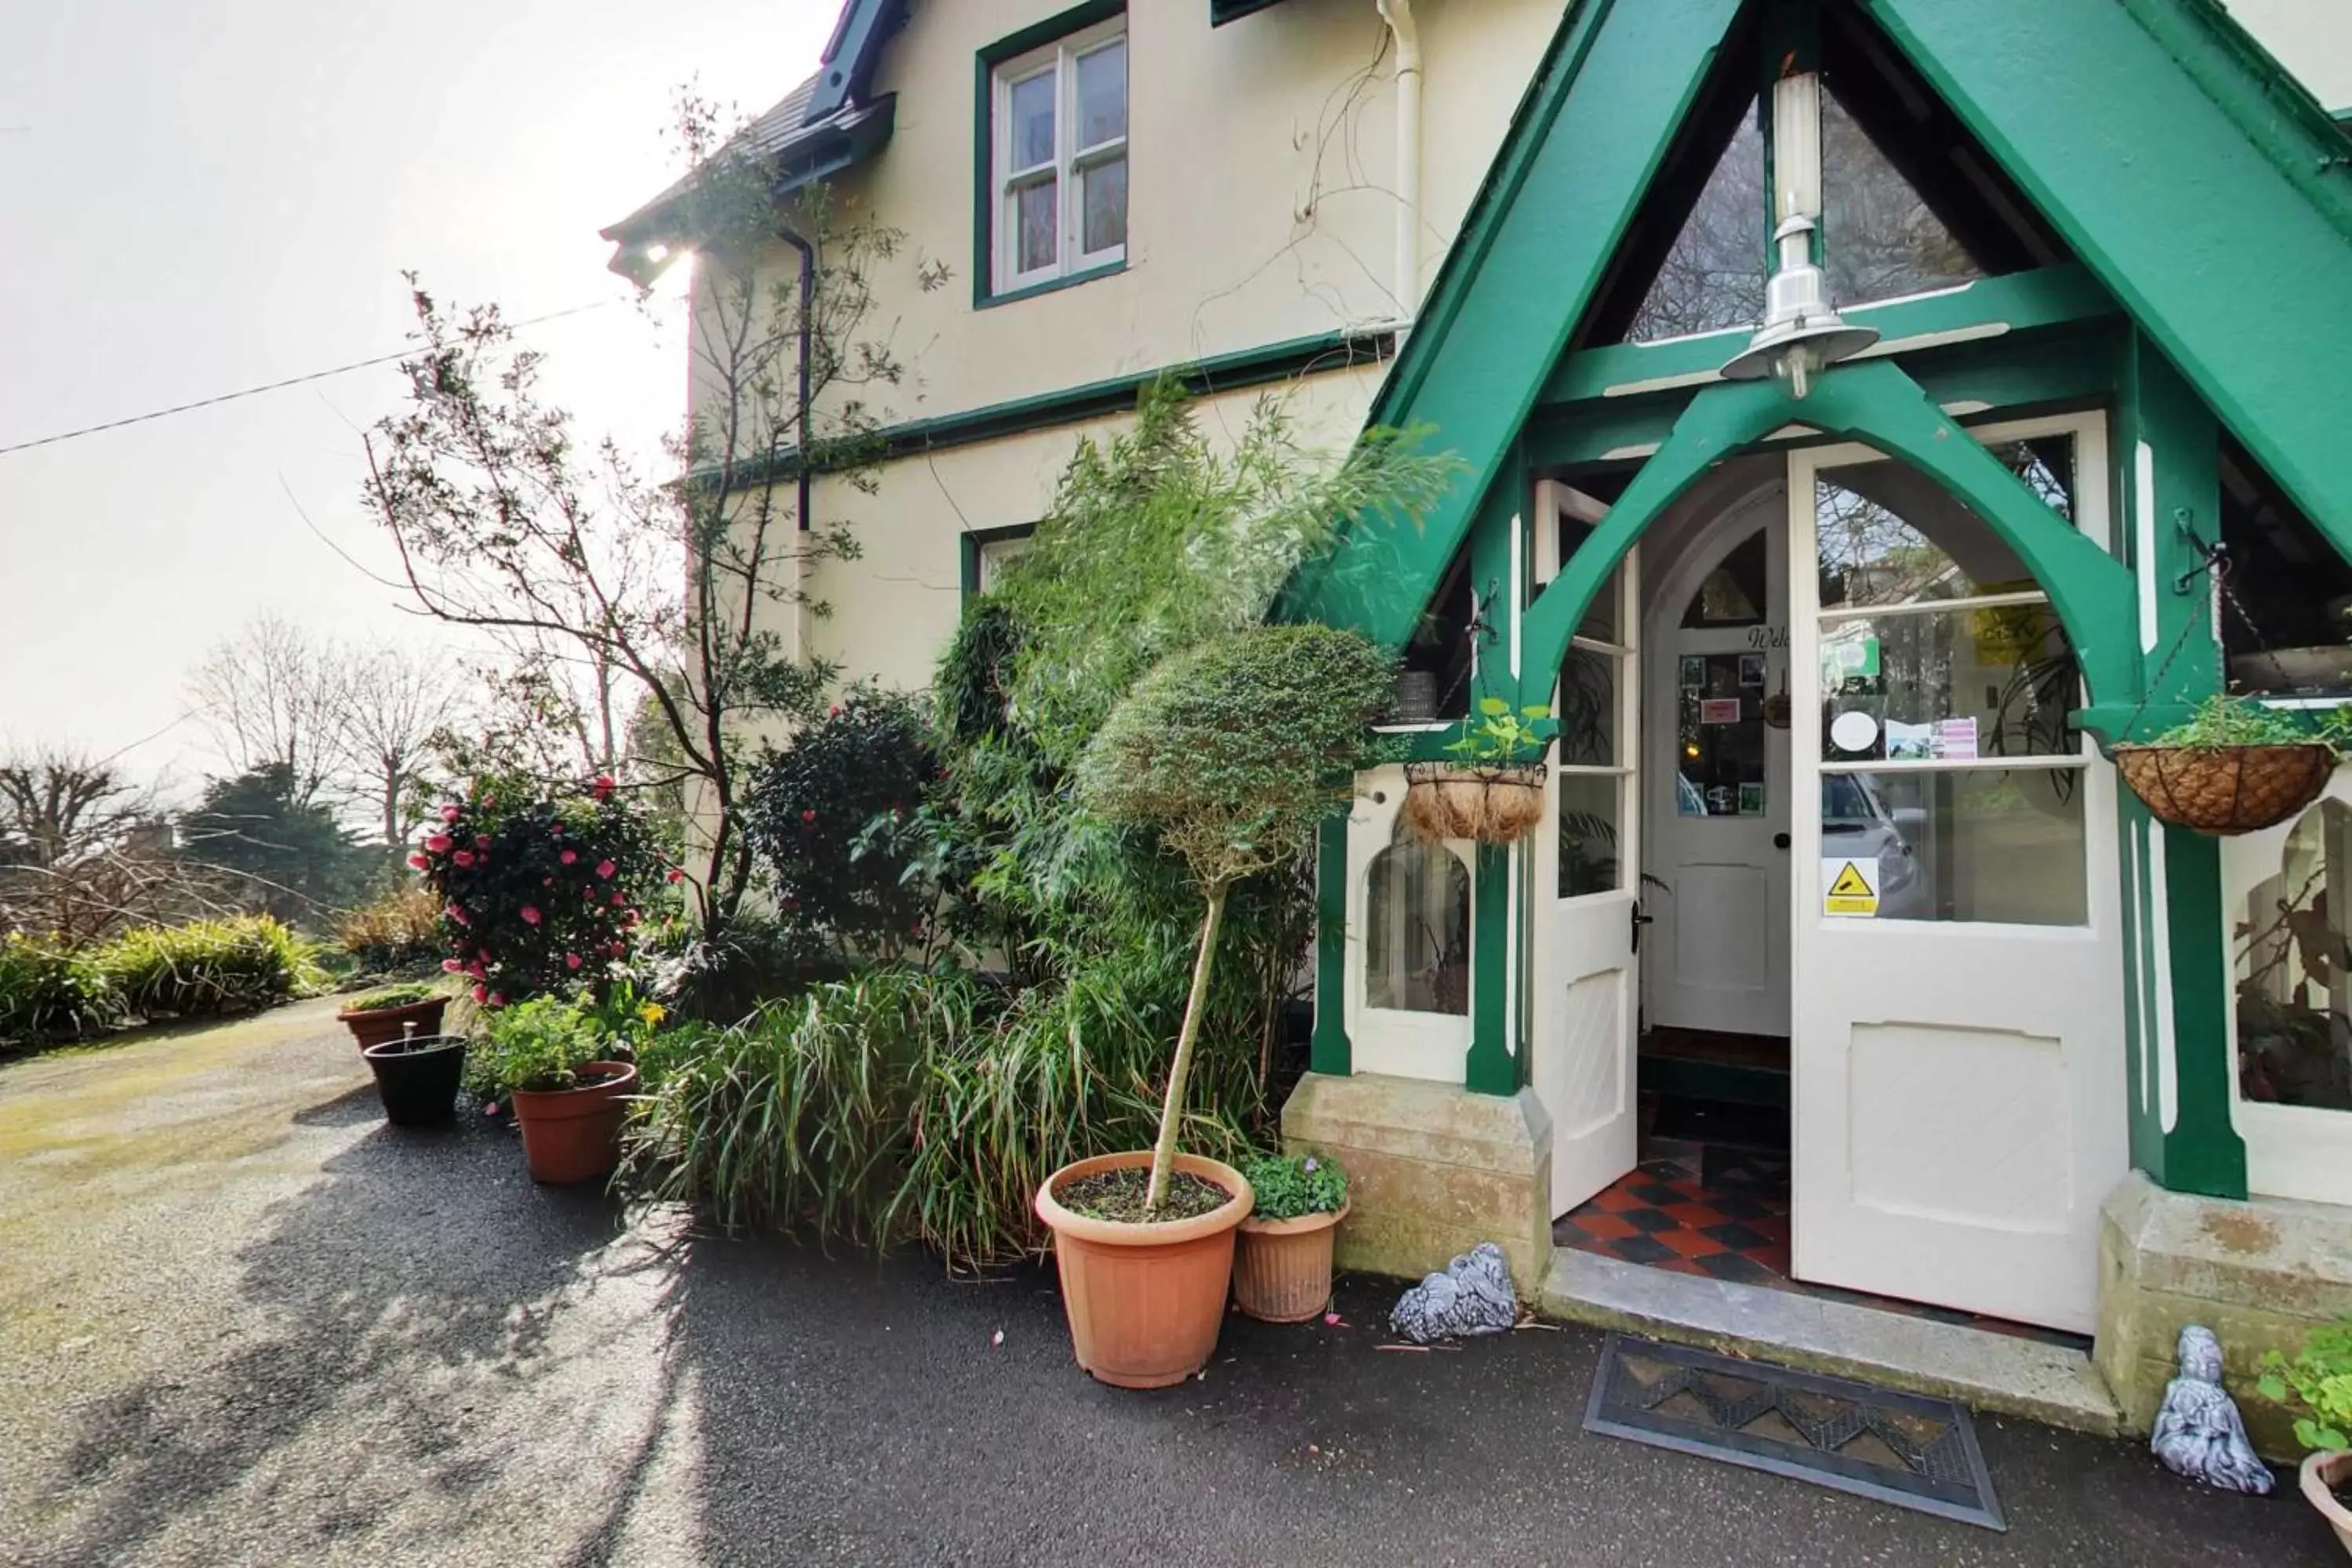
{"type": "Point", "coordinates": [1052, 152]}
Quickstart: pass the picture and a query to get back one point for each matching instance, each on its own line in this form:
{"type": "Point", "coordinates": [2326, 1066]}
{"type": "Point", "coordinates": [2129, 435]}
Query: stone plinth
{"type": "Point", "coordinates": [2258, 1274]}
{"type": "Point", "coordinates": [1433, 1170]}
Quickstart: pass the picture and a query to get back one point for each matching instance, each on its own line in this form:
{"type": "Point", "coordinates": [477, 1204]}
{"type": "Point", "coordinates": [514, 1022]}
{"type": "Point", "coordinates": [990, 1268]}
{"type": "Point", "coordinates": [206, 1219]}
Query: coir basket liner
{"type": "Point", "coordinates": [1490, 805]}
{"type": "Point", "coordinates": [2226, 790]}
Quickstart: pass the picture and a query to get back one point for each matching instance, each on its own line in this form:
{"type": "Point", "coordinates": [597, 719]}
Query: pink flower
{"type": "Point", "coordinates": [569, 856]}
{"type": "Point", "coordinates": [809, 815]}
{"type": "Point", "coordinates": [618, 948]}
{"type": "Point", "coordinates": [481, 993]}
{"type": "Point", "coordinates": [481, 841]}
{"type": "Point", "coordinates": [547, 882]}
{"type": "Point", "coordinates": [496, 1001]}
{"type": "Point", "coordinates": [529, 914]}
{"type": "Point", "coordinates": [833, 711]}
{"type": "Point", "coordinates": [419, 861]}
{"type": "Point", "coordinates": [676, 874]}
{"type": "Point", "coordinates": [438, 844]}
{"type": "Point", "coordinates": [620, 898]}
{"type": "Point", "coordinates": [606, 868]}
{"type": "Point", "coordinates": [601, 787]}
{"type": "Point", "coordinates": [489, 1108]}
{"type": "Point", "coordinates": [451, 813]}
{"type": "Point", "coordinates": [489, 801]}
{"type": "Point", "coordinates": [455, 913]}
{"type": "Point", "coordinates": [464, 858]}
{"type": "Point", "coordinates": [451, 966]}
{"type": "Point", "coordinates": [571, 960]}
{"type": "Point", "coordinates": [477, 971]}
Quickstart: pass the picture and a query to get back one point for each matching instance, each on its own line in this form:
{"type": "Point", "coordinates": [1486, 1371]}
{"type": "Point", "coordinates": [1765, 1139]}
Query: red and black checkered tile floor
{"type": "Point", "coordinates": [1662, 1215]}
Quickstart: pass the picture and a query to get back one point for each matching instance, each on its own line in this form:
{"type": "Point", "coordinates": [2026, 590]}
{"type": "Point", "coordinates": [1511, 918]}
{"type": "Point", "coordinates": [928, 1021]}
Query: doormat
{"type": "Point", "coordinates": [1902, 1448]}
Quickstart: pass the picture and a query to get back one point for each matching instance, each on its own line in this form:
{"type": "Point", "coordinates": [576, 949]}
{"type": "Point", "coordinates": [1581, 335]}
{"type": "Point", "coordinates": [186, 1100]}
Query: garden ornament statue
{"type": "Point", "coordinates": [2198, 1430]}
{"type": "Point", "coordinates": [1472, 1295]}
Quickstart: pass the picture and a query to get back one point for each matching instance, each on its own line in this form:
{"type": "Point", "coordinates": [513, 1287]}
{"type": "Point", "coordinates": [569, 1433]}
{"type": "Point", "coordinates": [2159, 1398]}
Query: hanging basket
{"type": "Point", "coordinates": [1491, 805]}
{"type": "Point", "coordinates": [2226, 790]}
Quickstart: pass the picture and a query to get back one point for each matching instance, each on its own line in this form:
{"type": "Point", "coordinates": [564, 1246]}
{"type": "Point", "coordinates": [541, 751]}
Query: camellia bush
{"type": "Point", "coordinates": [539, 893]}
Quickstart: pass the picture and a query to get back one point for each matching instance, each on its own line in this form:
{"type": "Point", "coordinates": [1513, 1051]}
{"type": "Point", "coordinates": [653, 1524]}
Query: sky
{"type": "Point", "coordinates": [205, 195]}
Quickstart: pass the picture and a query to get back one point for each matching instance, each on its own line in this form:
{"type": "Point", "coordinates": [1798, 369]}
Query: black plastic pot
{"type": "Point", "coordinates": [418, 1078]}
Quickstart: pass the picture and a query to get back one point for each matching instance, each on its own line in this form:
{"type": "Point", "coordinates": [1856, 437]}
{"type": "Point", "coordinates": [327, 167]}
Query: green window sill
{"type": "Point", "coordinates": [1030, 291]}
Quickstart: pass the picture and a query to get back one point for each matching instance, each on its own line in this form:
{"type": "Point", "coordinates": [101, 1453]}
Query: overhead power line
{"type": "Point", "coordinates": [273, 385]}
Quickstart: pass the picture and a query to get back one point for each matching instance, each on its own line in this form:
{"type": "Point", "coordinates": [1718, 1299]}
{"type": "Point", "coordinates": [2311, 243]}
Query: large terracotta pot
{"type": "Point", "coordinates": [574, 1135]}
{"type": "Point", "coordinates": [1283, 1274]}
{"type": "Point", "coordinates": [1144, 1300]}
{"type": "Point", "coordinates": [374, 1026]}
{"type": "Point", "coordinates": [2322, 1474]}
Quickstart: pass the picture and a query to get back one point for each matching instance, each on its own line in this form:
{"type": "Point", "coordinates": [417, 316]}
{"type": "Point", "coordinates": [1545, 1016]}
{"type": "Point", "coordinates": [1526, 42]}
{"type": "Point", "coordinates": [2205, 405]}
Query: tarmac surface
{"type": "Point", "coordinates": [244, 1322]}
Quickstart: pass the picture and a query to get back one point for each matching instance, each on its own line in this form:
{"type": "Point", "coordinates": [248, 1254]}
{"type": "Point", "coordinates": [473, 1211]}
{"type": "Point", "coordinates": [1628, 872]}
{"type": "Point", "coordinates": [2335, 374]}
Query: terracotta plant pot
{"type": "Point", "coordinates": [1144, 1300]}
{"type": "Point", "coordinates": [1283, 1274]}
{"type": "Point", "coordinates": [374, 1026]}
{"type": "Point", "coordinates": [2322, 1474]}
{"type": "Point", "coordinates": [574, 1135]}
{"type": "Point", "coordinates": [2226, 790]}
{"type": "Point", "coordinates": [418, 1079]}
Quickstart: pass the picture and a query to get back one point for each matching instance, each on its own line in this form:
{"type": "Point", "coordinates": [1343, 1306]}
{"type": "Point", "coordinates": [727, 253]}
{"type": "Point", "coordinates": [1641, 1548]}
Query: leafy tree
{"type": "Point", "coordinates": [1234, 751]}
{"type": "Point", "coordinates": [288, 854]}
{"type": "Point", "coordinates": [508, 522]}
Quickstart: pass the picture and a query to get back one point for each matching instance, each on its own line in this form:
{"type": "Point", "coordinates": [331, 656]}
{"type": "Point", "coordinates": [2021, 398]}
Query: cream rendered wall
{"type": "Point", "coordinates": [1260, 210]}
{"type": "Point", "coordinates": [2312, 39]}
{"type": "Point", "coordinates": [895, 607]}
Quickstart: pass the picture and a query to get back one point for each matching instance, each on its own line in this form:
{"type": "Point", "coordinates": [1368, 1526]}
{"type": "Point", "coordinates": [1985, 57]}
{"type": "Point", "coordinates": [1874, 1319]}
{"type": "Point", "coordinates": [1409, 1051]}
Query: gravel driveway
{"type": "Point", "coordinates": [242, 1321]}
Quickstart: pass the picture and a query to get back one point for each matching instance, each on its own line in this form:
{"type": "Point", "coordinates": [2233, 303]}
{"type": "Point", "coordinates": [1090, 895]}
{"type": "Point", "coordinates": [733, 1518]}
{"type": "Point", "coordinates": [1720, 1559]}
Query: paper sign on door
{"type": "Point", "coordinates": [1850, 886]}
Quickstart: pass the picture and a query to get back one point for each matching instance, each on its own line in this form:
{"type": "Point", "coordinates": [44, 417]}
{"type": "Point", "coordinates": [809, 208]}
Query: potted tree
{"type": "Point", "coordinates": [2320, 1379]}
{"type": "Point", "coordinates": [1284, 1272]}
{"type": "Point", "coordinates": [1493, 790]}
{"type": "Point", "coordinates": [1232, 752]}
{"type": "Point", "coordinates": [391, 1011]}
{"type": "Point", "coordinates": [2236, 767]}
{"type": "Point", "coordinates": [555, 1064]}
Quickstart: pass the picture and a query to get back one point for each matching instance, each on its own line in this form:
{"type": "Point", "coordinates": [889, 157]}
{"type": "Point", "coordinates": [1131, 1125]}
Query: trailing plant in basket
{"type": "Point", "coordinates": [1288, 1186]}
{"type": "Point", "coordinates": [539, 893]}
{"type": "Point", "coordinates": [2320, 1379]}
{"type": "Point", "coordinates": [2224, 722]}
{"type": "Point", "coordinates": [1497, 737]}
{"type": "Point", "coordinates": [1233, 752]}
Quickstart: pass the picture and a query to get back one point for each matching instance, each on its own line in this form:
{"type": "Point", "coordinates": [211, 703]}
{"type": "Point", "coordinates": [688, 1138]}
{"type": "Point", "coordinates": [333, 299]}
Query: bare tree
{"type": "Point", "coordinates": [274, 693]}
{"type": "Point", "coordinates": [84, 849]}
{"type": "Point", "coordinates": [393, 702]}
{"type": "Point", "coordinates": [507, 523]}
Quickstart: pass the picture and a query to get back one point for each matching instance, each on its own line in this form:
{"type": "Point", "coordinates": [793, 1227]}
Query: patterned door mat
{"type": "Point", "coordinates": [1903, 1448]}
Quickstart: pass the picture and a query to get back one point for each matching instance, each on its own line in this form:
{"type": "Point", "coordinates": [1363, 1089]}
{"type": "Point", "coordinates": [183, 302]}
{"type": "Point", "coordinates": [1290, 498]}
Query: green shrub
{"type": "Point", "coordinates": [537, 1044]}
{"type": "Point", "coordinates": [389, 997]}
{"type": "Point", "coordinates": [50, 992]}
{"type": "Point", "coordinates": [208, 968]}
{"type": "Point", "coordinates": [819, 813]}
{"type": "Point", "coordinates": [401, 930]}
{"type": "Point", "coordinates": [1286, 1186]}
{"type": "Point", "coordinates": [2320, 1378]}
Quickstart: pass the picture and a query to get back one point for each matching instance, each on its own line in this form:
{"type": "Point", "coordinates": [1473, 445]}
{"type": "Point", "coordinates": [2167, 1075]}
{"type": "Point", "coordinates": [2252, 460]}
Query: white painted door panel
{"type": "Point", "coordinates": [1959, 1094]}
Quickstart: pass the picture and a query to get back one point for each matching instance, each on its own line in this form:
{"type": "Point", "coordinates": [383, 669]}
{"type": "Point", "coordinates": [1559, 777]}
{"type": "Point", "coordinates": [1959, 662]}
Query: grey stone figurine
{"type": "Point", "coordinates": [2198, 1430]}
{"type": "Point", "coordinates": [1474, 1296]}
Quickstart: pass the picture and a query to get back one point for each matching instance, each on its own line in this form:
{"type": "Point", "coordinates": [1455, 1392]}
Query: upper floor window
{"type": "Point", "coordinates": [1058, 164]}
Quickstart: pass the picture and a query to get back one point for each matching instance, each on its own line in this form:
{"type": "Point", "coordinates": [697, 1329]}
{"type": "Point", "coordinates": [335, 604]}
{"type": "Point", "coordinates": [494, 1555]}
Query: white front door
{"type": "Point", "coordinates": [1588, 1014]}
{"type": "Point", "coordinates": [1718, 772]}
{"type": "Point", "coordinates": [1958, 1054]}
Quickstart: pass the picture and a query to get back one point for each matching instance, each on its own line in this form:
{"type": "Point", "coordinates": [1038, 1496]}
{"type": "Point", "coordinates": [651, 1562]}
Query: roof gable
{"type": "Point", "coordinates": [2190, 173]}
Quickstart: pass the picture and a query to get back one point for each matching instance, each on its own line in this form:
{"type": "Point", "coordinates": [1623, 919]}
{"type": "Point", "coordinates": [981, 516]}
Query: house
{"type": "Point", "coordinates": [1875, 411]}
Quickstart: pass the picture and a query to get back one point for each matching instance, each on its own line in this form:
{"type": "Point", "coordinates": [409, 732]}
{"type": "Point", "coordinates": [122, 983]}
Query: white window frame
{"type": "Point", "coordinates": [1066, 172]}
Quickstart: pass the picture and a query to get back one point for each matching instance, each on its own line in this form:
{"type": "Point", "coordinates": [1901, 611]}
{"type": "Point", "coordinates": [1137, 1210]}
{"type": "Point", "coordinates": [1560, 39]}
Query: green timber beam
{"type": "Point", "coordinates": [1329, 1050]}
{"type": "Point", "coordinates": [1603, 110]}
{"type": "Point", "coordinates": [1876, 404]}
{"type": "Point", "coordinates": [2230, 246]}
{"type": "Point", "coordinates": [2178, 933]}
{"type": "Point", "coordinates": [1987, 308]}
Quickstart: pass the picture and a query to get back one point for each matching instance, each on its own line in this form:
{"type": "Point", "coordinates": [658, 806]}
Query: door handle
{"type": "Point", "coordinates": [1780, 841]}
{"type": "Point", "coordinates": [1640, 919]}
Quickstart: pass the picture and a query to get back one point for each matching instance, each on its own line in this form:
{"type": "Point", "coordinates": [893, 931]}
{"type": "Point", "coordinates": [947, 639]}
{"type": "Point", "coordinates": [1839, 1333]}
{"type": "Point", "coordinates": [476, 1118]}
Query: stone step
{"type": "Point", "coordinates": [1985, 1370]}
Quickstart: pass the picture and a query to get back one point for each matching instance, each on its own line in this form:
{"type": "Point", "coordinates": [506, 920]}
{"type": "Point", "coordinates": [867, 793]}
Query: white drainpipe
{"type": "Point", "coordinates": [1398, 14]}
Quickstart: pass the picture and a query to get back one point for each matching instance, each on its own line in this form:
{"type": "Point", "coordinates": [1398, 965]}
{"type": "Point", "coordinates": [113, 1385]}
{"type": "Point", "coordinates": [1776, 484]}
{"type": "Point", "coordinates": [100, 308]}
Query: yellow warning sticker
{"type": "Point", "coordinates": [1850, 886]}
